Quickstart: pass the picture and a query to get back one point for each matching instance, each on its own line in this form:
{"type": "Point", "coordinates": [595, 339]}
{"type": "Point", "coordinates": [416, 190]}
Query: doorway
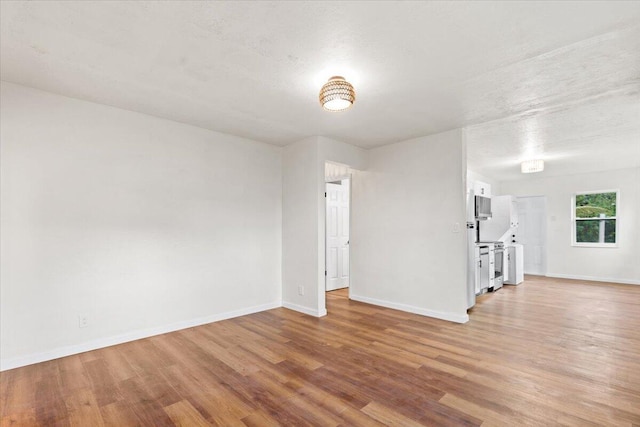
{"type": "Point", "coordinates": [532, 233]}
{"type": "Point", "coordinates": [337, 199]}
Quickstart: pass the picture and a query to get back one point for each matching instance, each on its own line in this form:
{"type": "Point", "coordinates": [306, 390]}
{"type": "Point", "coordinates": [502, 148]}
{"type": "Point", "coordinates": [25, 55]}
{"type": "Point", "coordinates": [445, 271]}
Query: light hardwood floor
{"type": "Point", "coordinates": [548, 352]}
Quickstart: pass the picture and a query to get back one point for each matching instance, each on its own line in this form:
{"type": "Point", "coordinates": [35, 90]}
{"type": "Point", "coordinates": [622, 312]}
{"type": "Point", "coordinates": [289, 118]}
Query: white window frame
{"type": "Point", "coordinates": [574, 220]}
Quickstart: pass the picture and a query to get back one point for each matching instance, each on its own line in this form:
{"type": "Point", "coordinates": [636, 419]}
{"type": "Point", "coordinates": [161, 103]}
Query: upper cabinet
{"type": "Point", "coordinates": [513, 213]}
{"type": "Point", "coordinates": [481, 189]}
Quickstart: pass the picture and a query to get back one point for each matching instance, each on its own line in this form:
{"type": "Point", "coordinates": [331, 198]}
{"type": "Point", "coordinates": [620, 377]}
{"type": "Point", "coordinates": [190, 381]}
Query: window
{"type": "Point", "coordinates": [594, 218]}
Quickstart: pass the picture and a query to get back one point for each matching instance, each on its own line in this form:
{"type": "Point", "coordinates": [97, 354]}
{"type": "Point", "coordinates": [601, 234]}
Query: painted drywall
{"type": "Point", "coordinates": [405, 206]}
{"type": "Point", "coordinates": [142, 224]}
{"type": "Point", "coordinates": [299, 226]}
{"type": "Point", "coordinates": [303, 218]}
{"type": "Point", "coordinates": [620, 264]}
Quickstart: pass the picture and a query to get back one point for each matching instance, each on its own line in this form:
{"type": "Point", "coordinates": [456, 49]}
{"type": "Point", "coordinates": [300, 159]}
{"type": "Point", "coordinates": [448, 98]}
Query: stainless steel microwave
{"type": "Point", "coordinates": [483, 208]}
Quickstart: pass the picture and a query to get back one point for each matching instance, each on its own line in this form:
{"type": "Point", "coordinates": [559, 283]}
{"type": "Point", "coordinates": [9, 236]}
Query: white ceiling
{"type": "Point", "coordinates": [557, 80]}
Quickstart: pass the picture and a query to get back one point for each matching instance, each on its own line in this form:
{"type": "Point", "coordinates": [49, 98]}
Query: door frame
{"type": "Point", "coordinates": [333, 179]}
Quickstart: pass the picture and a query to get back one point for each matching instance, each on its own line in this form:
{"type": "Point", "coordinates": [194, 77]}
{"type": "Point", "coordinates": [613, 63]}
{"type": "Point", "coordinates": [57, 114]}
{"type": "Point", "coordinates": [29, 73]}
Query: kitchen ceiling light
{"type": "Point", "coordinates": [337, 94]}
{"type": "Point", "coordinates": [531, 166]}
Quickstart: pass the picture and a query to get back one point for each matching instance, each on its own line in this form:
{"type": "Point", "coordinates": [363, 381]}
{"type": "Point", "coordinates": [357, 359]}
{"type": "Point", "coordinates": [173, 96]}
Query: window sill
{"type": "Point", "coordinates": [594, 245]}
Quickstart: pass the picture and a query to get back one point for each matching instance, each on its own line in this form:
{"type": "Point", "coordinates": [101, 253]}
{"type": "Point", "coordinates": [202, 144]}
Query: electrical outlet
{"type": "Point", "coordinates": [300, 290]}
{"type": "Point", "coordinates": [83, 321]}
{"type": "Point", "coordinates": [456, 227]}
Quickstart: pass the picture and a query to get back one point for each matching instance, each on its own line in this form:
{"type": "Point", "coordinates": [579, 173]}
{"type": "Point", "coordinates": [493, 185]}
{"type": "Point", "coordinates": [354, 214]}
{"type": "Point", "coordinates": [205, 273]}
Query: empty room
{"type": "Point", "coordinates": [319, 213]}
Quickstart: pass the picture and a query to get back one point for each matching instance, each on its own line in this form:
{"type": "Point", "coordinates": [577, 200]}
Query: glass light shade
{"type": "Point", "coordinates": [337, 105]}
{"type": "Point", "coordinates": [337, 94]}
{"type": "Point", "coordinates": [532, 166]}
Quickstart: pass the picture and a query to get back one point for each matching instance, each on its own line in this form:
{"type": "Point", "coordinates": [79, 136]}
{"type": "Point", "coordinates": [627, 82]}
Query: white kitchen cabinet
{"type": "Point", "coordinates": [515, 260]}
{"type": "Point", "coordinates": [481, 189]}
{"type": "Point", "coordinates": [485, 267]}
{"type": "Point", "coordinates": [513, 211]}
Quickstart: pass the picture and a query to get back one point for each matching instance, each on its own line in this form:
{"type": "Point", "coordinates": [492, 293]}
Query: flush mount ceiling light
{"type": "Point", "coordinates": [531, 166]}
{"type": "Point", "coordinates": [337, 94]}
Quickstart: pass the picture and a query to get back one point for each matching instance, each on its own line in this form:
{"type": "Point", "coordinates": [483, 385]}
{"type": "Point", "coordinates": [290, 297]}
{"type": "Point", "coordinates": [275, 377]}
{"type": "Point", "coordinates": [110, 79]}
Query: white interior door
{"type": "Point", "coordinates": [531, 233]}
{"type": "Point", "coordinates": [337, 239]}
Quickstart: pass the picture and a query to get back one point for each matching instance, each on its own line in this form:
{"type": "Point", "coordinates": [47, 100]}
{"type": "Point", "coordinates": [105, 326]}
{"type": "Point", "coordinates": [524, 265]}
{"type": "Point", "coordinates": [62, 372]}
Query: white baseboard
{"type": "Point", "coordinates": [595, 279]}
{"type": "Point", "coordinates": [16, 362]}
{"type": "Point", "coordinates": [451, 317]}
{"type": "Point", "coordinates": [303, 309]}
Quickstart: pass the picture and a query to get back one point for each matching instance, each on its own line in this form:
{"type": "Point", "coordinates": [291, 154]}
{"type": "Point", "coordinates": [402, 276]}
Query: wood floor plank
{"type": "Point", "coordinates": [261, 349]}
{"type": "Point", "coordinates": [73, 374]}
{"type": "Point", "coordinates": [184, 415]}
{"type": "Point", "coordinates": [263, 328]}
{"type": "Point", "coordinates": [222, 407]}
{"type": "Point", "coordinates": [488, 416]}
{"type": "Point", "coordinates": [547, 352]}
{"type": "Point", "coordinates": [259, 418]}
{"type": "Point", "coordinates": [352, 418]}
{"type": "Point", "coordinates": [83, 409]}
{"type": "Point", "coordinates": [18, 387]}
{"type": "Point", "coordinates": [149, 411]}
{"type": "Point", "coordinates": [26, 418]}
{"type": "Point", "coordinates": [119, 414]}
{"type": "Point", "coordinates": [388, 416]}
{"type": "Point", "coordinates": [51, 401]}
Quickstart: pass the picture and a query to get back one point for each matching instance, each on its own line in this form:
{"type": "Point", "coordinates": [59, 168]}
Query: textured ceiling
{"type": "Point", "coordinates": [558, 80]}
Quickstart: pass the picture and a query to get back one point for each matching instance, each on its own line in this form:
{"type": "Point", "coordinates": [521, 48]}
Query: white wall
{"type": "Point", "coordinates": [621, 264]}
{"type": "Point", "coordinates": [143, 224]}
{"type": "Point", "coordinates": [299, 226]}
{"type": "Point", "coordinates": [303, 218]}
{"type": "Point", "coordinates": [404, 207]}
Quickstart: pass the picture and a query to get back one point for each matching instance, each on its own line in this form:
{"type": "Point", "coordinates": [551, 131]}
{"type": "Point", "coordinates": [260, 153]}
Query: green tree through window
{"type": "Point", "coordinates": [595, 217]}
